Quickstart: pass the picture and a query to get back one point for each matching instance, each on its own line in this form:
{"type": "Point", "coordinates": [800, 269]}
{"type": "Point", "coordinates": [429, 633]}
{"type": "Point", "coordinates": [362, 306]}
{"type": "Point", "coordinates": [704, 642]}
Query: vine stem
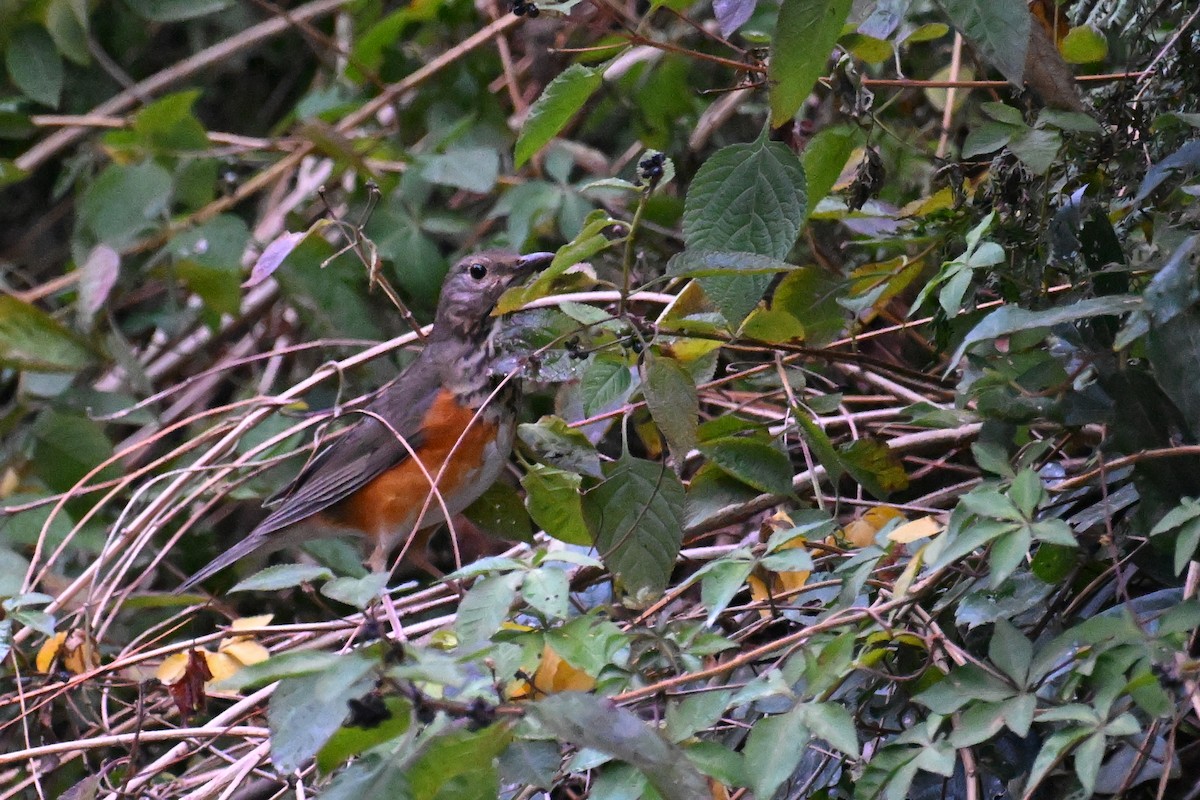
{"type": "Point", "coordinates": [627, 259]}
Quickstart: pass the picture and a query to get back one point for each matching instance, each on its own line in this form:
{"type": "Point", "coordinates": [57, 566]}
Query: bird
{"type": "Point", "coordinates": [446, 419]}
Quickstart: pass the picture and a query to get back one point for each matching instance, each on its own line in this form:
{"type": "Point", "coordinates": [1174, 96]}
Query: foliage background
{"type": "Point", "coordinates": [873, 393]}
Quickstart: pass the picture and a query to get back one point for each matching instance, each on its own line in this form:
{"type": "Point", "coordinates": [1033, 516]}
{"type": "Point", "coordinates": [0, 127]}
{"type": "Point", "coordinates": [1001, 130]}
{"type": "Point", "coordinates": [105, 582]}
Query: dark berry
{"type": "Point", "coordinates": [368, 711]}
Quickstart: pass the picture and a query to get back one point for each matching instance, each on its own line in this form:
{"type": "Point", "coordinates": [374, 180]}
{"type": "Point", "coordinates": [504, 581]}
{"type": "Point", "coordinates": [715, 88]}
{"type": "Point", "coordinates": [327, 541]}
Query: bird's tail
{"type": "Point", "coordinates": [240, 550]}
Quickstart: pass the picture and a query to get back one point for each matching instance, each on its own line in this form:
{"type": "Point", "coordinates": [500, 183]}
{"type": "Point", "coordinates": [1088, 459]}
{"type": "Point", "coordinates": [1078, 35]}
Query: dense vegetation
{"type": "Point", "coordinates": [859, 459]}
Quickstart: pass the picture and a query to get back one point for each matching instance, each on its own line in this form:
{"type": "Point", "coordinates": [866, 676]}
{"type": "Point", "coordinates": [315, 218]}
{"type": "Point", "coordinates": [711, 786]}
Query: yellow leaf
{"type": "Point", "coordinates": [221, 666]}
{"type": "Point", "coordinates": [861, 532]}
{"type": "Point", "coordinates": [555, 675]}
{"type": "Point", "coordinates": [74, 650]}
{"type": "Point", "coordinates": [922, 528]}
{"type": "Point", "coordinates": [245, 652]}
{"type": "Point", "coordinates": [172, 669]}
{"type": "Point", "coordinates": [79, 654]}
{"type": "Point", "coordinates": [248, 623]}
{"type": "Point", "coordinates": [45, 656]}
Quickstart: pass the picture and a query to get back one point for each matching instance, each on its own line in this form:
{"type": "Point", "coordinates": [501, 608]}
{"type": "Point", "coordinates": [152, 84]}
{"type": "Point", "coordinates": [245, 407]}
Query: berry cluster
{"type": "Point", "coordinates": [650, 168]}
{"type": "Point", "coordinates": [524, 9]}
{"type": "Point", "coordinates": [574, 349]}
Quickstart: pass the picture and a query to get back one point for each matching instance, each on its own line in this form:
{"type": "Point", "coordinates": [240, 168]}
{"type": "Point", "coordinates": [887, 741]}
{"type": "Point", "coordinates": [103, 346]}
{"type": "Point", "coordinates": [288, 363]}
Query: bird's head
{"type": "Point", "coordinates": [474, 285]}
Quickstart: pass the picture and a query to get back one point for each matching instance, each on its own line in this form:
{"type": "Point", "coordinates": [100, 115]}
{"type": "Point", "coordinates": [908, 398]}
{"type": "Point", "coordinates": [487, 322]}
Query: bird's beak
{"type": "Point", "coordinates": [534, 262]}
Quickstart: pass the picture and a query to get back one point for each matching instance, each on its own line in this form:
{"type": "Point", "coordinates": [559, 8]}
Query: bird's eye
{"type": "Point", "coordinates": [478, 271]}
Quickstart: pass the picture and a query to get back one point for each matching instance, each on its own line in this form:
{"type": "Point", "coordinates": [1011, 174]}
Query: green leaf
{"type": "Point", "coordinates": [805, 34]}
{"type": "Point", "coordinates": [1037, 148]}
{"type": "Point", "coordinates": [484, 608]}
{"type": "Point", "coordinates": [1010, 651]}
{"type": "Point", "coordinates": [636, 519]}
{"type": "Point", "coordinates": [773, 749]}
{"type": "Point", "coordinates": [1008, 551]}
{"type": "Point", "coordinates": [554, 503]}
{"type": "Point", "coordinates": [548, 590]}
{"type": "Point", "coordinates": [1185, 545]}
{"type": "Point", "coordinates": [31, 339]}
{"type": "Point", "coordinates": [176, 10]}
{"type": "Point", "coordinates": [745, 198]}
{"type": "Point", "coordinates": [696, 712]}
{"type": "Point", "coordinates": [804, 307]}
{"type": "Point", "coordinates": [473, 169]}
{"type": "Point", "coordinates": [168, 124]}
{"type": "Point", "coordinates": [833, 723]}
{"type": "Point", "coordinates": [500, 510]}
{"type": "Point", "coordinates": [1011, 319]}
{"type": "Point", "coordinates": [825, 157]}
{"type": "Point", "coordinates": [458, 764]}
{"type": "Point", "coordinates": [305, 711]}
{"type": "Point", "coordinates": [285, 665]}
{"type": "Point", "coordinates": [350, 741]}
{"type": "Point", "coordinates": [67, 24]}
{"type": "Point", "coordinates": [125, 202]}
{"type": "Point", "coordinates": [605, 383]}
{"type": "Point", "coordinates": [555, 443]}
{"type": "Point", "coordinates": [357, 592]}
{"type": "Point", "coordinates": [723, 580]}
{"type": "Point", "coordinates": [755, 463]}
{"type": "Point", "coordinates": [34, 64]}
{"type": "Point", "coordinates": [594, 722]}
{"type": "Point", "coordinates": [1172, 348]}
{"type": "Point", "coordinates": [1083, 45]}
{"type": "Point", "coordinates": [988, 138]}
{"type": "Point", "coordinates": [671, 397]}
{"type": "Point", "coordinates": [695, 263]}
{"type": "Point", "coordinates": [282, 576]}
{"type": "Point", "coordinates": [559, 102]}
{"type": "Point", "coordinates": [876, 468]}
{"type": "Point", "coordinates": [1000, 28]}
{"type": "Point", "coordinates": [67, 446]}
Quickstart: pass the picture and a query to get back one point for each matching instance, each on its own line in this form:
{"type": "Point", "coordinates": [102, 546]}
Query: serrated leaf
{"type": "Point", "coordinates": [484, 608]}
{"type": "Point", "coordinates": [605, 383]}
{"type": "Point", "coordinates": [755, 463]}
{"type": "Point", "coordinates": [636, 519]}
{"type": "Point", "coordinates": [305, 711]}
{"type": "Point", "coordinates": [805, 34]}
{"type": "Point", "coordinates": [589, 721]}
{"type": "Point", "coordinates": [559, 445]}
{"type": "Point", "coordinates": [34, 64]}
{"type": "Point", "coordinates": [745, 198]}
{"type": "Point", "coordinates": [694, 263]}
{"type": "Point", "coordinates": [357, 592]}
{"type": "Point", "coordinates": [1000, 28]}
{"type": "Point", "coordinates": [671, 397]}
{"type": "Point", "coordinates": [31, 339]}
{"type": "Point", "coordinates": [558, 103]}
{"type": "Point", "coordinates": [282, 576]}
{"type": "Point", "coordinates": [554, 503]}
{"type": "Point", "coordinates": [548, 590]}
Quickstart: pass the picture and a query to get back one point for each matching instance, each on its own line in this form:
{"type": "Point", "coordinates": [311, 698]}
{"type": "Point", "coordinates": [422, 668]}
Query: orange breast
{"type": "Point", "coordinates": [455, 443]}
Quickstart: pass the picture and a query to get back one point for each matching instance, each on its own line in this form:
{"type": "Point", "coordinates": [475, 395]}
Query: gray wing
{"type": "Point", "coordinates": [366, 450]}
